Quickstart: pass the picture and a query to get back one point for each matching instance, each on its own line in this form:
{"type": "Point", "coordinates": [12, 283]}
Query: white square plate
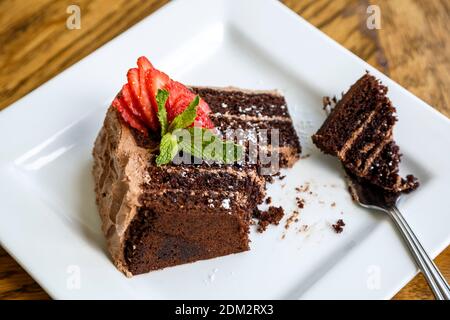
{"type": "Point", "coordinates": [49, 219]}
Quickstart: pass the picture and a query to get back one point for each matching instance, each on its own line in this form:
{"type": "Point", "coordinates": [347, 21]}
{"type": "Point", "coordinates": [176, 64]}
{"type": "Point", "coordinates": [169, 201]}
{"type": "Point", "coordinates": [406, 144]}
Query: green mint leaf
{"type": "Point", "coordinates": [204, 144]}
{"type": "Point", "coordinates": [168, 149]}
{"type": "Point", "coordinates": [187, 117]}
{"type": "Point", "coordinates": [191, 141]}
{"type": "Point", "coordinates": [161, 99]}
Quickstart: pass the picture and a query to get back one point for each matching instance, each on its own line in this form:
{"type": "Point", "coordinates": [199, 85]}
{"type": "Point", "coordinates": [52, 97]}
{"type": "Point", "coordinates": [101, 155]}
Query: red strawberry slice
{"type": "Point", "coordinates": [134, 81]}
{"type": "Point", "coordinates": [178, 105]}
{"type": "Point", "coordinates": [145, 101]}
{"type": "Point", "coordinates": [127, 115]}
{"type": "Point", "coordinates": [133, 84]}
{"type": "Point", "coordinates": [131, 101]}
{"type": "Point", "coordinates": [182, 102]}
{"type": "Point", "coordinates": [179, 99]}
{"type": "Point", "coordinates": [156, 80]}
{"type": "Point", "coordinates": [144, 64]}
{"type": "Point", "coordinates": [203, 120]}
{"type": "Point", "coordinates": [204, 107]}
{"type": "Point", "coordinates": [176, 89]}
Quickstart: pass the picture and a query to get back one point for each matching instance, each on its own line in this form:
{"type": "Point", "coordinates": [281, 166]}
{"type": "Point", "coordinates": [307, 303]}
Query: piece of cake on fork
{"type": "Point", "coordinates": [359, 132]}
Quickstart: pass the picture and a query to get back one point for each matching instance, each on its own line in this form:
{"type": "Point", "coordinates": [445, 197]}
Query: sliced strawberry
{"type": "Point", "coordinates": [156, 80]}
{"type": "Point", "coordinates": [144, 64]}
{"type": "Point", "coordinates": [178, 105]}
{"type": "Point", "coordinates": [176, 89]}
{"type": "Point", "coordinates": [204, 107]}
{"type": "Point", "coordinates": [127, 115]}
{"type": "Point", "coordinates": [134, 83]}
{"type": "Point", "coordinates": [203, 119]}
{"type": "Point", "coordinates": [182, 102]}
{"type": "Point", "coordinates": [131, 101]}
{"type": "Point", "coordinates": [137, 101]}
{"type": "Point", "coordinates": [179, 99]}
{"type": "Point", "coordinates": [144, 100]}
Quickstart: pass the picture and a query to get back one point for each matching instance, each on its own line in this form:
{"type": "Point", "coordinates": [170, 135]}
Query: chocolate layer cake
{"type": "Point", "coordinates": [359, 131]}
{"type": "Point", "coordinates": [160, 216]}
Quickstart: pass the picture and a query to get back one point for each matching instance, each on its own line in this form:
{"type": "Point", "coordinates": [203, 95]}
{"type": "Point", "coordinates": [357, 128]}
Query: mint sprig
{"type": "Point", "coordinates": [204, 144]}
{"type": "Point", "coordinates": [161, 99]}
{"type": "Point", "coordinates": [168, 149]}
{"type": "Point", "coordinates": [199, 142]}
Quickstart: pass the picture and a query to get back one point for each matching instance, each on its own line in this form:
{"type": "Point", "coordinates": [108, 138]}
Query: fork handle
{"type": "Point", "coordinates": [436, 281]}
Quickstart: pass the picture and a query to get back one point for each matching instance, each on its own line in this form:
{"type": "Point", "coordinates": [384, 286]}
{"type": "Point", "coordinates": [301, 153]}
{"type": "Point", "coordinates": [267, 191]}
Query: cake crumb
{"type": "Point", "coordinates": [339, 226]}
{"type": "Point", "coordinates": [272, 216]}
{"type": "Point", "coordinates": [281, 177]}
{"type": "Point", "coordinates": [326, 101]}
{"type": "Point", "coordinates": [303, 228]}
{"type": "Point", "coordinates": [306, 156]}
{"type": "Point", "coordinates": [300, 202]}
{"type": "Point", "coordinates": [303, 188]}
{"type": "Point", "coordinates": [292, 218]}
{"type": "Point", "coordinates": [269, 200]}
{"type": "Point", "coordinates": [334, 99]}
{"type": "Point", "coordinates": [333, 204]}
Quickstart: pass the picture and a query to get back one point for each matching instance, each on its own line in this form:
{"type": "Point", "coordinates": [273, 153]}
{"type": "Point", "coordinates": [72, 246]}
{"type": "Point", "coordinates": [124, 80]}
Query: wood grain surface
{"type": "Point", "coordinates": [412, 47]}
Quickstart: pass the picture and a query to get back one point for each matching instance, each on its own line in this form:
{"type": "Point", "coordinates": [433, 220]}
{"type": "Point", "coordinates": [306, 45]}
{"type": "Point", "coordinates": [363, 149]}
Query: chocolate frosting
{"type": "Point", "coordinates": [119, 173]}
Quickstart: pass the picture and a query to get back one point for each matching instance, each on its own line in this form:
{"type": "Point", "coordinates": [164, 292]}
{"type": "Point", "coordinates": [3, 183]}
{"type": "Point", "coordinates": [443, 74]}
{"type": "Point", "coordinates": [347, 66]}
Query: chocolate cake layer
{"type": "Point", "coordinates": [162, 238]}
{"type": "Point", "coordinates": [233, 101]}
{"type": "Point", "coordinates": [359, 131]}
{"type": "Point", "coordinates": [177, 214]}
{"type": "Point", "coordinates": [258, 111]}
{"type": "Point", "coordinates": [384, 171]}
{"type": "Point", "coordinates": [197, 176]}
{"type": "Point", "coordinates": [366, 147]}
{"type": "Point", "coordinates": [286, 132]}
{"type": "Point", "coordinates": [187, 202]}
{"type": "Point", "coordinates": [352, 113]}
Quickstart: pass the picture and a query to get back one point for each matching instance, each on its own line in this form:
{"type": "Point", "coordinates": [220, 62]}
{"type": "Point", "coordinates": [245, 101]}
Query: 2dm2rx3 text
{"type": "Point", "coordinates": [225, 309]}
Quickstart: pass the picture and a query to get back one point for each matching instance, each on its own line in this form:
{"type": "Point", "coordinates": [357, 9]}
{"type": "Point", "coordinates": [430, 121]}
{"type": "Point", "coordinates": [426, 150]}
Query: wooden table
{"type": "Point", "coordinates": [412, 47]}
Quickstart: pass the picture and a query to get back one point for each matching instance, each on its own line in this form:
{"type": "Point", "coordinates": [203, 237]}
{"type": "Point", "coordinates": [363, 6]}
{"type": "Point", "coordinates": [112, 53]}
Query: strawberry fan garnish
{"type": "Point", "coordinates": [152, 102]}
{"type": "Point", "coordinates": [136, 102]}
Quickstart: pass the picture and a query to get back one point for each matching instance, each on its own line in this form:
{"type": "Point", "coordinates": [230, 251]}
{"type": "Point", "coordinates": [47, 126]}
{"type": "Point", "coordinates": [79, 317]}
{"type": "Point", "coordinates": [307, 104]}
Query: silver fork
{"type": "Point", "coordinates": [370, 196]}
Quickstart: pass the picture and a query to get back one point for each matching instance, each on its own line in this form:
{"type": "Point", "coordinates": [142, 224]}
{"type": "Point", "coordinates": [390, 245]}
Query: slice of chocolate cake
{"type": "Point", "coordinates": [160, 216]}
{"type": "Point", "coordinates": [359, 131]}
{"type": "Point", "coordinates": [262, 112]}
